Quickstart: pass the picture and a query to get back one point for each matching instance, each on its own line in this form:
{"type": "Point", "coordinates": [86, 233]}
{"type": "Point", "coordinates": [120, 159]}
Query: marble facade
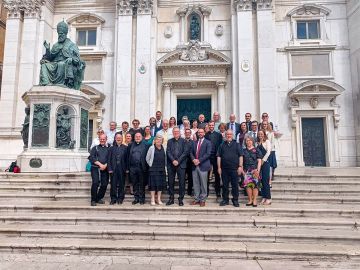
{"type": "Point", "coordinates": [248, 60]}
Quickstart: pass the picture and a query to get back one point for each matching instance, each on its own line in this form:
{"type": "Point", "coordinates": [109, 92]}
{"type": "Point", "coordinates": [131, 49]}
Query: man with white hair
{"type": "Point", "coordinates": [111, 132]}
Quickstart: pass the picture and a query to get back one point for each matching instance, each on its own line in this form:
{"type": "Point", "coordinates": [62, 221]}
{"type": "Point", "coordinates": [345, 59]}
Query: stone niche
{"type": "Point", "coordinates": [58, 130]}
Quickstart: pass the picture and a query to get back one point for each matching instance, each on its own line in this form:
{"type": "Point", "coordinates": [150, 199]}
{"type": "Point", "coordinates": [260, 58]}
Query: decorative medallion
{"type": "Point", "coordinates": [142, 69]}
{"type": "Point", "coordinates": [245, 65]}
{"type": "Point", "coordinates": [168, 32]}
{"type": "Point", "coordinates": [193, 52]}
{"type": "Point", "coordinates": [219, 30]}
{"type": "Point", "coordinates": [35, 163]}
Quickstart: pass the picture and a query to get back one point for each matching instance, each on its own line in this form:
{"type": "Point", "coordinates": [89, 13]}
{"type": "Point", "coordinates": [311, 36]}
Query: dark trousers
{"type": "Point", "coordinates": [99, 178]}
{"type": "Point", "coordinates": [117, 190]}
{"type": "Point", "coordinates": [172, 171]}
{"type": "Point", "coordinates": [213, 162]}
{"type": "Point", "coordinates": [188, 171]}
{"type": "Point", "coordinates": [230, 176]}
{"type": "Point", "coordinates": [138, 181]}
{"type": "Point", "coordinates": [265, 177]}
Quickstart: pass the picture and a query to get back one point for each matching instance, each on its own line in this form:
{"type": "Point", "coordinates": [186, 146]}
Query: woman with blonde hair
{"type": "Point", "coordinates": [273, 141]}
{"type": "Point", "coordinates": [156, 159]}
{"type": "Point", "coordinates": [264, 146]}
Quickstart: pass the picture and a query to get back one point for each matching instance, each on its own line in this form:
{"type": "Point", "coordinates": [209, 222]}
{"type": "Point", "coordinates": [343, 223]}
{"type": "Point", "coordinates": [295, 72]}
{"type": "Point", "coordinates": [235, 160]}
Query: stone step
{"type": "Point", "coordinates": [198, 233]}
{"type": "Point", "coordinates": [285, 198]}
{"type": "Point", "coordinates": [236, 250]}
{"type": "Point", "coordinates": [132, 219]}
{"type": "Point", "coordinates": [331, 190]}
{"type": "Point", "coordinates": [275, 210]}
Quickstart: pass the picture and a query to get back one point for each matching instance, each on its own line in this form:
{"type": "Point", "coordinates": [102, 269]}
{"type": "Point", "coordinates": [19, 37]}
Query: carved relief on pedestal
{"type": "Point", "coordinates": [31, 8]}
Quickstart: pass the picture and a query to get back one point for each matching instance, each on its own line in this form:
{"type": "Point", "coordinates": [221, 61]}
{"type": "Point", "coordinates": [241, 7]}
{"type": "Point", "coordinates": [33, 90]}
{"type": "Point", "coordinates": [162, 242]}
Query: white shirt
{"type": "Point", "coordinates": [110, 136]}
{"type": "Point", "coordinates": [267, 146]}
{"type": "Point", "coordinates": [95, 142]}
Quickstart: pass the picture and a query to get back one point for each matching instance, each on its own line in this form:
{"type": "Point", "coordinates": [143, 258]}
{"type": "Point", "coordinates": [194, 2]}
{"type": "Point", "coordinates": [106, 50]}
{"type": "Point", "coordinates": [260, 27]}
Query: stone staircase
{"type": "Point", "coordinates": [315, 215]}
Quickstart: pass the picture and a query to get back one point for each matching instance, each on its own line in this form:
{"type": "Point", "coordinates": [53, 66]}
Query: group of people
{"type": "Point", "coordinates": [240, 154]}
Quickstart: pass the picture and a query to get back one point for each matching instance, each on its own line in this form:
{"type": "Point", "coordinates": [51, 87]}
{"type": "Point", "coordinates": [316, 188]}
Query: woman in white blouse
{"type": "Point", "coordinates": [272, 138]}
{"type": "Point", "coordinates": [264, 146]}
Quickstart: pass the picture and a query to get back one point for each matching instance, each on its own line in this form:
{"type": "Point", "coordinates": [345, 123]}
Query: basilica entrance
{"type": "Point", "coordinates": [193, 107]}
{"type": "Point", "coordinates": [313, 142]}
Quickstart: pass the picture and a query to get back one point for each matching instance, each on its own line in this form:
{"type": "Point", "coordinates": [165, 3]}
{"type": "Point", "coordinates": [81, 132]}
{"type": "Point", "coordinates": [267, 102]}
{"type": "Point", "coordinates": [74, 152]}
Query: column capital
{"type": "Point", "coordinates": [124, 8]}
{"type": "Point", "coordinates": [145, 7]}
{"type": "Point", "coordinates": [221, 83]}
{"type": "Point", "coordinates": [181, 11]}
{"type": "Point", "coordinates": [167, 85]}
{"type": "Point", "coordinates": [243, 5]}
{"type": "Point", "coordinates": [264, 4]}
{"type": "Point", "coordinates": [30, 8]}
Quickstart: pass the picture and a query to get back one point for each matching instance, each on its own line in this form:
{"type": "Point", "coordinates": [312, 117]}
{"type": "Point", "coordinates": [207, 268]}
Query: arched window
{"type": "Point", "coordinates": [194, 27]}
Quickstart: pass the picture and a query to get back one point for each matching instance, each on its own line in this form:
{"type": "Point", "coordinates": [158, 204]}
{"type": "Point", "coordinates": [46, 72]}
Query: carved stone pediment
{"type": "Point", "coordinates": [86, 19]}
{"type": "Point", "coordinates": [315, 92]}
{"type": "Point", "coordinates": [194, 53]}
{"type": "Point", "coordinates": [199, 8]}
{"type": "Point", "coordinates": [309, 10]}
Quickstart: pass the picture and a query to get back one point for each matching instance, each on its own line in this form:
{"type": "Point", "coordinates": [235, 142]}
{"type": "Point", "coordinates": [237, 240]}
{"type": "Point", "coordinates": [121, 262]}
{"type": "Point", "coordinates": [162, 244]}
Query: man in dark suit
{"type": "Point", "coordinates": [117, 166]}
{"type": "Point", "coordinates": [200, 156]}
{"type": "Point", "coordinates": [233, 125]}
{"type": "Point", "coordinates": [216, 139]}
{"type": "Point", "coordinates": [158, 117]}
{"type": "Point", "coordinates": [201, 121]}
{"type": "Point", "coordinates": [177, 154]}
{"type": "Point", "coordinates": [137, 167]}
{"type": "Point", "coordinates": [136, 128]}
{"type": "Point", "coordinates": [248, 120]}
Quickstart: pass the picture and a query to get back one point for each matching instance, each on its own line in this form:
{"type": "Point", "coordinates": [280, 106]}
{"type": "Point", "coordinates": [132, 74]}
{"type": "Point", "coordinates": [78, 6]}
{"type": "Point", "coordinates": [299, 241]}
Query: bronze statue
{"type": "Point", "coordinates": [62, 64]}
{"type": "Point", "coordinates": [25, 129]}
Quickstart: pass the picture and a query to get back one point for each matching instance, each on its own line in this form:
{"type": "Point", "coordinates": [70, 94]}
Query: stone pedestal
{"type": "Point", "coordinates": [46, 153]}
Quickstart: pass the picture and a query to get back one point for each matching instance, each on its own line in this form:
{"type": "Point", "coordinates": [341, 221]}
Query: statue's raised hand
{"type": "Point", "coordinates": [46, 45]}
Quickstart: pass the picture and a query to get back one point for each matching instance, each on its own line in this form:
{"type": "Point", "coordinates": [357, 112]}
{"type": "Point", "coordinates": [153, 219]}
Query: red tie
{"type": "Point", "coordinates": [198, 149]}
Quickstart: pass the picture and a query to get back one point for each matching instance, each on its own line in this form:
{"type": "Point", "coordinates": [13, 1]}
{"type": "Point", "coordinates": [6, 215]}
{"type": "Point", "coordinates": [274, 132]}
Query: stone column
{"type": "Point", "coordinates": [167, 99]}
{"type": "Point", "coordinates": [206, 11]}
{"type": "Point", "coordinates": [267, 59]}
{"type": "Point", "coordinates": [221, 98]}
{"type": "Point", "coordinates": [122, 96]}
{"type": "Point", "coordinates": [245, 48]}
{"type": "Point", "coordinates": [143, 108]}
{"type": "Point", "coordinates": [182, 12]}
{"type": "Point", "coordinates": [19, 66]}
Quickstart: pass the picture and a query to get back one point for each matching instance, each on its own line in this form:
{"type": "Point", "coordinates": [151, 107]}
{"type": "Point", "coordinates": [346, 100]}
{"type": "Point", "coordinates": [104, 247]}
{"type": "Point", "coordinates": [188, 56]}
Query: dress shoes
{"type": "Point", "coordinates": [135, 201]}
{"type": "Point", "coordinates": [236, 204]}
{"type": "Point", "coordinates": [120, 201]}
{"type": "Point", "coordinates": [112, 202]}
{"type": "Point", "coordinates": [202, 204]}
{"type": "Point", "coordinates": [169, 202]}
{"type": "Point", "coordinates": [101, 202]}
{"type": "Point", "coordinates": [181, 203]}
{"type": "Point", "coordinates": [224, 203]}
{"type": "Point", "coordinates": [142, 202]}
{"type": "Point", "coordinates": [93, 203]}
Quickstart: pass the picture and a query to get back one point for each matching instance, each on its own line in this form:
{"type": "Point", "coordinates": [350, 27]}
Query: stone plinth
{"type": "Point", "coordinates": [45, 152]}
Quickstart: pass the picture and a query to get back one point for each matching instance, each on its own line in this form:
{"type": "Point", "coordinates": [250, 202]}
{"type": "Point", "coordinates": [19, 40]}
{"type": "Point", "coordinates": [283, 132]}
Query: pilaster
{"type": "Point", "coordinates": [122, 96]}
{"type": "Point", "coordinates": [267, 58]}
{"type": "Point", "coordinates": [143, 68]}
{"type": "Point", "coordinates": [245, 55]}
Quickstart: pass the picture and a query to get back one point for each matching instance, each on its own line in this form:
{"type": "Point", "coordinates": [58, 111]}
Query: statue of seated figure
{"type": "Point", "coordinates": [62, 64]}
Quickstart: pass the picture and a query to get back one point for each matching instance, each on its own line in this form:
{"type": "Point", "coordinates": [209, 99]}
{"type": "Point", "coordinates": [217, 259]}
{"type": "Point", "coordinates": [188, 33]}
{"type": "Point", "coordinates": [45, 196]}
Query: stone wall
{"type": "Point", "coordinates": [353, 11]}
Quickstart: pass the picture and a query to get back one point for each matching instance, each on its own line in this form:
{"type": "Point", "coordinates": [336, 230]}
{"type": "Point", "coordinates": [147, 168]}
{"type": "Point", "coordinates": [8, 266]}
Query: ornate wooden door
{"type": "Point", "coordinates": [313, 142]}
{"type": "Point", "coordinates": [193, 107]}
